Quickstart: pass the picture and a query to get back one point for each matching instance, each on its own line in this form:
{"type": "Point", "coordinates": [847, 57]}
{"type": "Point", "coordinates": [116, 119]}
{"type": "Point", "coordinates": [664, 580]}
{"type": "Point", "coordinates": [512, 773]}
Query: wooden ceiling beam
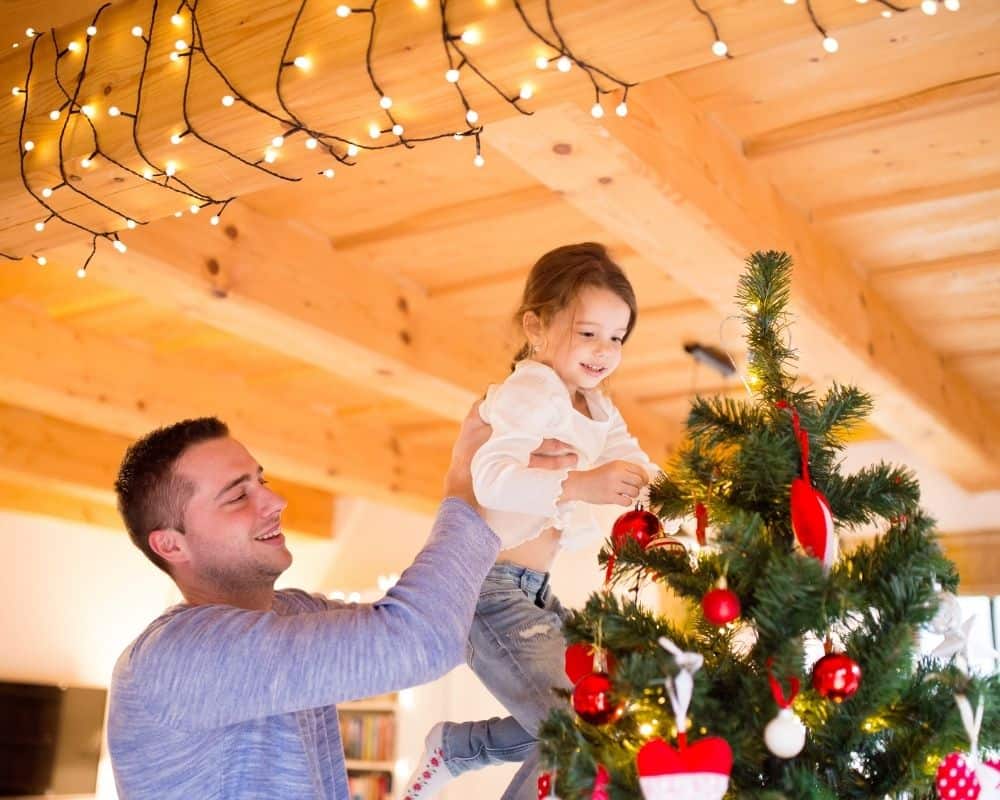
{"type": "Point", "coordinates": [673, 186]}
{"type": "Point", "coordinates": [53, 455]}
{"type": "Point", "coordinates": [948, 97]}
{"type": "Point", "coordinates": [109, 384]}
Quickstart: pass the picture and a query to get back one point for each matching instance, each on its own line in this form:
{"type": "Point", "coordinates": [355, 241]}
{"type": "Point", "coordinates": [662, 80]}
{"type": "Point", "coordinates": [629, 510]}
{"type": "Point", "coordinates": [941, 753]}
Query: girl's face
{"type": "Point", "coordinates": [582, 342]}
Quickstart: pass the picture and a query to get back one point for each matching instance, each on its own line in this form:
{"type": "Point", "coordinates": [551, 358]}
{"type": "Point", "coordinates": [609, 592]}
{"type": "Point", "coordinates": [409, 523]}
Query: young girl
{"type": "Point", "coordinates": [577, 312]}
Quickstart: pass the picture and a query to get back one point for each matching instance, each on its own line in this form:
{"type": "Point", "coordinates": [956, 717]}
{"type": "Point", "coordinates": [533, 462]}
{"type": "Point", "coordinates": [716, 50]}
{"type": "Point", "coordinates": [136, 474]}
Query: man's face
{"type": "Point", "coordinates": [232, 522]}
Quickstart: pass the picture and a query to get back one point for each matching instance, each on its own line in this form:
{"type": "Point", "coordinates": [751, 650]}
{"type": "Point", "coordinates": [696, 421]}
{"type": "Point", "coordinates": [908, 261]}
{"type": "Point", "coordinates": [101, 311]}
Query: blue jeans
{"type": "Point", "coordinates": [516, 648]}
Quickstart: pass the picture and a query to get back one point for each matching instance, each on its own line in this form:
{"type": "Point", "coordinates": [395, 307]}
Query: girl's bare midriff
{"type": "Point", "coordinates": [537, 554]}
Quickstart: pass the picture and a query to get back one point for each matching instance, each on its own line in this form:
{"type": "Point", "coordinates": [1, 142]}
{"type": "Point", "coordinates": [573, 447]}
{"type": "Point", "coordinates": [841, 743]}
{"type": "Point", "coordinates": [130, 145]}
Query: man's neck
{"type": "Point", "coordinates": [257, 599]}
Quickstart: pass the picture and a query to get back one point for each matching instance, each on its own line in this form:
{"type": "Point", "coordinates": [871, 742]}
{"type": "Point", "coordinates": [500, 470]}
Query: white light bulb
{"type": "Point", "coordinates": [178, 214]}
{"type": "Point", "coordinates": [91, 30]}
{"type": "Point", "coordinates": [88, 111]}
{"type": "Point", "coordinates": [311, 143]}
{"type": "Point", "coordinates": [886, 13]}
{"type": "Point", "coordinates": [30, 33]}
{"type": "Point", "coordinates": [120, 246]}
{"type": "Point", "coordinates": [831, 45]}
{"type": "Point", "coordinates": [451, 76]}
{"type": "Point", "coordinates": [74, 47]}
{"type": "Point", "coordinates": [170, 168]}
{"type": "Point", "coordinates": [277, 141]}
{"type": "Point", "coordinates": [472, 36]}
{"type": "Point", "coordinates": [622, 109]}
{"type": "Point", "coordinates": [352, 149]}
{"type": "Point", "coordinates": [39, 226]}
{"type": "Point", "coordinates": [42, 260]}
{"type": "Point", "coordinates": [86, 161]}
{"type": "Point", "coordinates": [176, 138]}
{"type": "Point", "coordinates": [228, 100]}
{"type": "Point", "coordinates": [597, 111]}
{"type": "Point", "coordinates": [542, 62]}
{"type": "Point", "coordinates": [374, 131]}
{"type": "Point", "coordinates": [527, 91]}
{"type": "Point", "coordinates": [458, 137]}
{"type": "Point", "coordinates": [114, 111]}
{"type": "Point", "coordinates": [420, 3]}
{"type": "Point", "coordinates": [929, 7]}
{"type": "Point", "coordinates": [137, 31]}
{"type": "Point", "coordinates": [17, 90]}
{"type": "Point", "coordinates": [177, 19]}
{"type": "Point", "coordinates": [471, 117]}
{"type": "Point", "coordinates": [720, 48]}
{"type": "Point", "coordinates": [270, 156]}
{"type": "Point", "coordinates": [29, 146]}
{"type": "Point", "coordinates": [175, 56]}
{"type": "Point", "coordinates": [194, 209]}
{"type": "Point", "coordinates": [302, 62]}
{"type": "Point", "coordinates": [952, 5]}
{"type": "Point", "coordinates": [478, 160]}
{"type": "Point", "coordinates": [47, 192]}
{"type": "Point", "coordinates": [81, 273]}
{"type": "Point", "coordinates": [328, 173]}
{"type": "Point", "coordinates": [147, 173]}
{"type": "Point", "coordinates": [343, 11]}
{"type": "Point", "coordinates": [564, 64]}
{"type": "Point", "coordinates": [397, 129]}
{"type": "Point", "coordinates": [180, 44]}
{"type": "Point", "coordinates": [385, 101]}
{"type": "Point", "coordinates": [790, 2]}
{"type": "Point", "coordinates": [214, 220]}
{"type": "Point", "coordinates": [130, 224]}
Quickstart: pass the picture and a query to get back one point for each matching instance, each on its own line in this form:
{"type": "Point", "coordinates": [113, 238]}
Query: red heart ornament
{"type": "Point", "coordinates": [812, 522]}
{"type": "Point", "coordinates": [956, 780]}
{"type": "Point", "coordinates": [699, 771]}
{"type": "Point", "coordinates": [580, 662]}
{"type": "Point", "coordinates": [601, 782]}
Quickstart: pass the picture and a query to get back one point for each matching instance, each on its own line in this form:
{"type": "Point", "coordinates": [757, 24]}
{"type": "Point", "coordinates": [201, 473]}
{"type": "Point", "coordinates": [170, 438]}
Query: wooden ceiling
{"type": "Point", "coordinates": [343, 327]}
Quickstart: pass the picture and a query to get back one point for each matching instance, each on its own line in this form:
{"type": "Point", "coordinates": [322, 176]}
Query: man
{"type": "Point", "coordinates": [232, 694]}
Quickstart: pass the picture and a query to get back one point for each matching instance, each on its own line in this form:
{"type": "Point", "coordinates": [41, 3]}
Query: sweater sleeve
{"type": "Point", "coordinates": [525, 409]}
{"type": "Point", "coordinates": [211, 666]}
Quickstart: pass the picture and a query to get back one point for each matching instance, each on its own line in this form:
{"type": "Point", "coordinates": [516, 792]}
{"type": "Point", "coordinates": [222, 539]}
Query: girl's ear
{"type": "Point", "coordinates": [532, 325]}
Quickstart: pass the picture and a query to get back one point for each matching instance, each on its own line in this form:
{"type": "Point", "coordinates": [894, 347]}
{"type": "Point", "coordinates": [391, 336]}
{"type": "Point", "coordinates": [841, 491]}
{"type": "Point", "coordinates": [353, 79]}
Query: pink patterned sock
{"type": "Point", "coordinates": [431, 774]}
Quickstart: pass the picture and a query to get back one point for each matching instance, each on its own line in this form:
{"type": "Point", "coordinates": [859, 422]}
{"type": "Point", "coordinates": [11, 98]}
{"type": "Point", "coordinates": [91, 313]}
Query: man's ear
{"type": "Point", "coordinates": [169, 544]}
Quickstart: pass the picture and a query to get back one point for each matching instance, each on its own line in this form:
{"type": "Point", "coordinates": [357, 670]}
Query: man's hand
{"type": "Point", "coordinates": [471, 436]}
{"type": "Point", "coordinates": [553, 454]}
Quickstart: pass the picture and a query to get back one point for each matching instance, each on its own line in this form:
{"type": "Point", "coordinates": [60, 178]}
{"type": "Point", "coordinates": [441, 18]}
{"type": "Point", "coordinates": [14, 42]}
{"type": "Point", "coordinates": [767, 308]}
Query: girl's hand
{"type": "Point", "coordinates": [614, 483]}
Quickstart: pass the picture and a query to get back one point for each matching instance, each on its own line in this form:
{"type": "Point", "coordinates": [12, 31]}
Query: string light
{"type": "Point", "coordinates": [720, 48]}
{"type": "Point", "coordinates": [74, 47]}
{"type": "Point", "coordinates": [278, 141]}
{"type": "Point", "coordinates": [597, 111]}
{"type": "Point", "coordinates": [542, 62]}
{"type": "Point", "coordinates": [17, 91]}
{"type": "Point", "coordinates": [352, 149]}
{"type": "Point", "coordinates": [42, 260]}
{"type": "Point", "coordinates": [47, 192]}
{"type": "Point", "coordinates": [385, 102]}
{"type": "Point", "coordinates": [40, 226]}
{"type": "Point", "coordinates": [622, 109]}
{"type": "Point", "coordinates": [374, 131]}
{"type": "Point", "coordinates": [830, 44]}
{"type": "Point", "coordinates": [137, 31]}
{"type": "Point", "coordinates": [564, 64]}
{"type": "Point", "coordinates": [479, 160]}
{"type": "Point", "coordinates": [471, 116]}
{"type": "Point", "coordinates": [302, 62]}
{"type": "Point", "coordinates": [527, 91]}
{"type": "Point", "coordinates": [929, 7]}
{"type": "Point", "coordinates": [114, 111]}
{"type": "Point", "coordinates": [119, 246]}
{"type": "Point", "coordinates": [176, 138]}
{"type": "Point", "coordinates": [451, 76]}
{"type": "Point", "coordinates": [30, 33]}
{"type": "Point", "coordinates": [194, 209]}
{"type": "Point", "coordinates": [91, 30]}
{"type": "Point", "coordinates": [228, 100]}
{"type": "Point", "coordinates": [311, 143]}
{"type": "Point", "coordinates": [397, 129]}
{"type": "Point", "coordinates": [147, 173]}
{"type": "Point", "coordinates": [952, 5]}
{"type": "Point", "coordinates": [328, 173]}
{"type": "Point", "coordinates": [29, 146]}
{"type": "Point", "coordinates": [420, 3]}
{"type": "Point", "coordinates": [175, 57]}
{"type": "Point", "coordinates": [214, 219]}
{"type": "Point", "coordinates": [170, 168]}
{"type": "Point", "coordinates": [471, 36]}
{"type": "Point", "coordinates": [270, 156]}
{"type": "Point", "coordinates": [88, 111]}
{"type": "Point", "coordinates": [343, 11]}
{"type": "Point", "coordinates": [177, 20]}
{"type": "Point", "coordinates": [86, 162]}
{"type": "Point", "coordinates": [130, 224]}
{"type": "Point", "coordinates": [180, 44]}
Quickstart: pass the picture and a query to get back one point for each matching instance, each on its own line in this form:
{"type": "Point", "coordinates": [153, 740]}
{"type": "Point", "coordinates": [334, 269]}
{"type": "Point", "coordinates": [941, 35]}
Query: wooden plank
{"type": "Point", "coordinates": [336, 94]}
{"type": "Point", "coordinates": [116, 387]}
{"type": "Point", "coordinates": [72, 460]}
{"type": "Point", "coordinates": [947, 97]}
{"type": "Point", "coordinates": [27, 499]}
{"type": "Point", "coordinates": [676, 190]}
{"type": "Point", "coordinates": [977, 556]}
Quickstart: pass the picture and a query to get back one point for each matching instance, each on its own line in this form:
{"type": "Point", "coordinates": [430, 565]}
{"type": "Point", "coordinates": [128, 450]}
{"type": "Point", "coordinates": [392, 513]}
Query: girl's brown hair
{"type": "Point", "coordinates": [559, 275]}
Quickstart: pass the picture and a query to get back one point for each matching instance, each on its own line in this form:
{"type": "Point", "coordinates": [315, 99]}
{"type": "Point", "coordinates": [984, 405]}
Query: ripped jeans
{"type": "Point", "coordinates": [516, 648]}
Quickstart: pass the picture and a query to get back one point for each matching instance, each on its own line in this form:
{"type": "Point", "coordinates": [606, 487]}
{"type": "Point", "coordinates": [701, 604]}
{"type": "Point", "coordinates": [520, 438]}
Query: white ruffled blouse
{"type": "Point", "coordinates": [519, 502]}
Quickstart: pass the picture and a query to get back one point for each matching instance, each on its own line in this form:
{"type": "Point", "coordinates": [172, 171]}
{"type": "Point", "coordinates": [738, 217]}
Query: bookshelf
{"type": "Point", "coordinates": [368, 730]}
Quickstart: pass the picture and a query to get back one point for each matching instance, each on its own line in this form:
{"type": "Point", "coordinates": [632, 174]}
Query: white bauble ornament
{"type": "Point", "coordinates": [785, 735]}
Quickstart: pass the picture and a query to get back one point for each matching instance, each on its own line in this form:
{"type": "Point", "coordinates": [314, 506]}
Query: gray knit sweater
{"type": "Point", "coordinates": [220, 702]}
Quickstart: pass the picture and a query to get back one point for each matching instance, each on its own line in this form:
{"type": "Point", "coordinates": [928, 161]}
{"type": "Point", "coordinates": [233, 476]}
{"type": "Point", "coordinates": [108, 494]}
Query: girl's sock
{"type": "Point", "coordinates": [431, 774]}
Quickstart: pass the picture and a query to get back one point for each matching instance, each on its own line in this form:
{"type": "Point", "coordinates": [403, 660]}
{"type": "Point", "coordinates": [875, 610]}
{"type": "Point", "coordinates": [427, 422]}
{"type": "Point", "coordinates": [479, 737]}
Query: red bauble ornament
{"type": "Point", "coordinates": [592, 699]}
{"type": "Point", "coordinates": [836, 676]}
{"type": "Point", "coordinates": [701, 523]}
{"type": "Point", "coordinates": [812, 522]}
{"type": "Point", "coordinates": [720, 605]}
{"type": "Point", "coordinates": [639, 525]}
{"type": "Point", "coordinates": [957, 780]}
{"type": "Point", "coordinates": [544, 785]}
{"type": "Point", "coordinates": [580, 661]}
{"type": "Point", "coordinates": [699, 771]}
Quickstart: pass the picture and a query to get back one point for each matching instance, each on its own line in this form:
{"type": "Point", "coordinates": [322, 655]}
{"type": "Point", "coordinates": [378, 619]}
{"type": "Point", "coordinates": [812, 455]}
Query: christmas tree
{"type": "Point", "coordinates": [734, 701]}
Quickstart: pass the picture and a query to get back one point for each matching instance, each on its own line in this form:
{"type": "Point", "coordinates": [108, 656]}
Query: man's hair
{"type": "Point", "coordinates": [151, 495]}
